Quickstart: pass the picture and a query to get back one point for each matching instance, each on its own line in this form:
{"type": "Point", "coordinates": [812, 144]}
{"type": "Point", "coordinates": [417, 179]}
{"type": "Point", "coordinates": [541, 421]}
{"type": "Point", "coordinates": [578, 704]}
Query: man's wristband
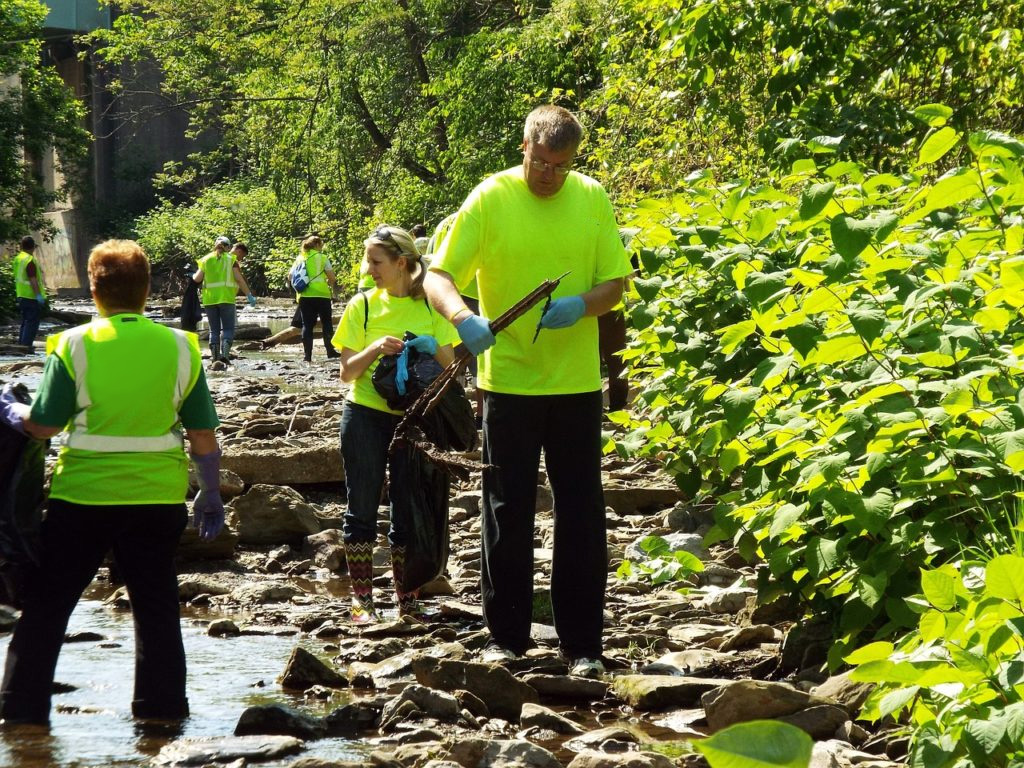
{"type": "Point", "coordinates": [459, 312]}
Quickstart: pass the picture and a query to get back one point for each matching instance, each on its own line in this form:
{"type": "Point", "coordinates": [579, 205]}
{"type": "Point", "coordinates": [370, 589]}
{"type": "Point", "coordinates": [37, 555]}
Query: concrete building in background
{"type": "Point", "coordinates": [132, 138]}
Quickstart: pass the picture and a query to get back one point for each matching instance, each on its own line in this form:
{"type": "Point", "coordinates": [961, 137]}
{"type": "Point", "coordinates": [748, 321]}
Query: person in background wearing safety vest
{"type": "Point", "coordinates": [29, 288]}
{"type": "Point", "coordinates": [315, 300]}
{"type": "Point", "coordinates": [124, 388]}
{"type": "Point", "coordinates": [221, 278]}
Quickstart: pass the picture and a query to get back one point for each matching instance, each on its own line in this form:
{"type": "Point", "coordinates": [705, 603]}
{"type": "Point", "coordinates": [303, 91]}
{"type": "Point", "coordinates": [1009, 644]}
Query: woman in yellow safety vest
{"type": "Point", "coordinates": [221, 278]}
{"type": "Point", "coordinates": [315, 299]}
{"type": "Point", "coordinates": [29, 288]}
{"type": "Point", "coordinates": [124, 388]}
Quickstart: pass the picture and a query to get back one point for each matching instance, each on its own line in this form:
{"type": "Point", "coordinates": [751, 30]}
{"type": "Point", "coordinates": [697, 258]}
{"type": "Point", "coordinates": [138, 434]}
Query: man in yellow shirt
{"type": "Point", "coordinates": [517, 228]}
{"type": "Point", "coordinates": [29, 288]}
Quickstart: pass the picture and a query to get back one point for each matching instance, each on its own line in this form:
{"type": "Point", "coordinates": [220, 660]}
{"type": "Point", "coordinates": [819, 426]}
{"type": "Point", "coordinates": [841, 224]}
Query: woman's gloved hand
{"type": "Point", "coordinates": [475, 332]}
{"type": "Point", "coordinates": [426, 345]}
{"type": "Point", "coordinates": [13, 412]}
{"type": "Point", "coordinates": [402, 370]}
{"type": "Point", "coordinates": [563, 312]}
{"type": "Point", "coordinates": [208, 507]}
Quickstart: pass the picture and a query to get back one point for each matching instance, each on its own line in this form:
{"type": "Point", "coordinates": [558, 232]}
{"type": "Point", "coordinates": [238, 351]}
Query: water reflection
{"type": "Point", "coordinates": [91, 724]}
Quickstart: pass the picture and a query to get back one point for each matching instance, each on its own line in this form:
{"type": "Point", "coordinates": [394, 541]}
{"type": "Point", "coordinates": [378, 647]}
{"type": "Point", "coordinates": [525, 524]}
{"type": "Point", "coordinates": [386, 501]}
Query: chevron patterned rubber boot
{"type": "Point", "coordinates": [360, 571]}
{"type": "Point", "coordinates": [408, 604]}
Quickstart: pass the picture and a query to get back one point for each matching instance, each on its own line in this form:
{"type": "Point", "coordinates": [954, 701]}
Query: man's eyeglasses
{"type": "Point", "coordinates": [541, 167]}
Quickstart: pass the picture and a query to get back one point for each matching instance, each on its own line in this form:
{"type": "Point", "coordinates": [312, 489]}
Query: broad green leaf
{"type": "Point", "coordinates": [935, 115]}
{"type": "Point", "coordinates": [896, 700]}
{"type": "Point", "coordinates": [1004, 578]}
{"type": "Point", "coordinates": [737, 405]}
{"type": "Point", "coordinates": [939, 587]}
{"type": "Point", "coordinates": [993, 319]}
{"type": "Point", "coordinates": [762, 224]}
{"type": "Point", "coordinates": [759, 287]}
{"type": "Point", "coordinates": [1011, 448]}
{"type": "Point", "coordinates": [757, 744]}
{"type": "Point", "coordinates": [824, 145]}
{"type": "Point", "coordinates": [838, 350]}
{"type": "Point", "coordinates": [815, 198]}
{"type": "Point", "coordinates": [983, 734]}
{"type": "Point", "coordinates": [851, 236]}
{"type": "Point", "coordinates": [877, 651]}
{"type": "Point", "coordinates": [733, 335]}
{"type": "Point", "coordinates": [994, 143]}
{"type": "Point", "coordinates": [868, 322]}
{"type": "Point", "coordinates": [1014, 717]}
{"type": "Point", "coordinates": [951, 190]}
{"type": "Point", "coordinates": [648, 288]}
{"type": "Point", "coordinates": [937, 145]}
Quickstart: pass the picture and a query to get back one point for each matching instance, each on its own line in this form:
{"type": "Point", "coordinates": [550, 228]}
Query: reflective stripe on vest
{"type": "Point", "coordinates": [79, 438]}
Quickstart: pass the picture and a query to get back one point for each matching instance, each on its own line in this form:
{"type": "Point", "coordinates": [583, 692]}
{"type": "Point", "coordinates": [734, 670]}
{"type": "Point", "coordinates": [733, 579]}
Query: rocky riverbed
{"type": "Point", "coordinates": [681, 663]}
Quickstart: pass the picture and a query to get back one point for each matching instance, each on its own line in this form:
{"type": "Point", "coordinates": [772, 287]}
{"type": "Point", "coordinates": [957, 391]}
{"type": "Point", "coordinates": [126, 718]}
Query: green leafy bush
{"type": "Point", "coordinates": [833, 357]}
{"type": "Point", "coordinates": [663, 566]}
{"type": "Point", "coordinates": [8, 306]}
{"type": "Point", "coordinates": [959, 679]}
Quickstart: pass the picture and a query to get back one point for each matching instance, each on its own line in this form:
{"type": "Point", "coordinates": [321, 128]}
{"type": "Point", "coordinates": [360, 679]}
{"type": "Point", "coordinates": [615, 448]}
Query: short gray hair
{"type": "Point", "coordinates": [553, 127]}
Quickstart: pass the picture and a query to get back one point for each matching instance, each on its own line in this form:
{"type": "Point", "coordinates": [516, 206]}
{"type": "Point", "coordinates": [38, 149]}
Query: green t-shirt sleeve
{"type": "Point", "coordinates": [350, 331]}
{"type": "Point", "coordinates": [54, 405]}
{"type": "Point", "coordinates": [459, 252]}
{"type": "Point", "coordinates": [198, 412]}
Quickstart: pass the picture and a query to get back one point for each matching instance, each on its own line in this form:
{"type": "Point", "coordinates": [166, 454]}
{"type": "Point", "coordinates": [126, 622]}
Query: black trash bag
{"type": "Point", "coordinates": [457, 419]}
{"type": "Point", "coordinates": [191, 308]}
{"type": "Point", "coordinates": [422, 368]}
{"type": "Point", "coordinates": [22, 470]}
{"type": "Point", "coordinates": [427, 545]}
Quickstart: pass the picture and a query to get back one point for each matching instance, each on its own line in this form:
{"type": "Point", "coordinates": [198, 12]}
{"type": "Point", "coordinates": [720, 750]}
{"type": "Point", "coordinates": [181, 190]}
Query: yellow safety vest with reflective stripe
{"type": "Point", "coordinates": [124, 443]}
{"type": "Point", "coordinates": [316, 264]}
{"type": "Point", "coordinates": [22, 286]}
{"type": "Point", "coordinates": [219, 286]}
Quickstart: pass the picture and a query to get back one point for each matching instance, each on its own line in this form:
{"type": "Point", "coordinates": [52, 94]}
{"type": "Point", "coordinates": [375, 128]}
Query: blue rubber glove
{"type": "Point", "coordinates": [13, 412]}
{"type": "Point", "coordinates": [426, 345]}
{"type": "Point", "coordinates": [208, 507]}
{"type": "Point", "coordinates": [251, 299]}
{"type": "Point", "coordinates": [40, 298]}
{"type": "Point", "coordinates": [402, 370]}
{"type": "Point", "coordinates": [475, 332]}
{"type": "Point", "coordinates": [563, 312]}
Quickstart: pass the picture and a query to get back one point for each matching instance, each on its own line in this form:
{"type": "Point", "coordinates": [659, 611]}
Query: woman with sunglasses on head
{"type": "Point", "coordinates": [371, 328]}
{"type": "Point", "coordinates": [315, 299]}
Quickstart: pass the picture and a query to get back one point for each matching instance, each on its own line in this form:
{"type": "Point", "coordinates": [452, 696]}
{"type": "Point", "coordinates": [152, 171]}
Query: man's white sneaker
{"type": "Point", "coordinates": [495, 654]}
{"type": "Point", "coordinates": [589, 668]}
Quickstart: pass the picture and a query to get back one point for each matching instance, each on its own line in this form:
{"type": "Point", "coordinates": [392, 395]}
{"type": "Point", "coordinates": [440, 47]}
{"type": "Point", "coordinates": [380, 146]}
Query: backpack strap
{"type": "Point", "coordinates": [366, 310]}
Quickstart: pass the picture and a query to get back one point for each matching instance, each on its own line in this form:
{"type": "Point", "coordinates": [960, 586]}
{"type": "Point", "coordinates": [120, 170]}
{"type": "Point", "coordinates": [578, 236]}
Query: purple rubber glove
{"type": "Point", "coordinates": [13, 412]}
{"type": "Point", "coordinates": [426, 345]}
{"type": "Point", "coordinates": [208, 508]}
{"type": "Point", "coordinates": [475, 332]}
{"type": "Point", "coordinates": [563, 312]}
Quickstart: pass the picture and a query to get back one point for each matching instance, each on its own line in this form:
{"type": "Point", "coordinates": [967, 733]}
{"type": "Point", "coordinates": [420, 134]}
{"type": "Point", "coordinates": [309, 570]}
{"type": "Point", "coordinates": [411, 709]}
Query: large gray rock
{"type": "Point", "coordinates": [542, 717]}
{"type": "Point", "coordinates": [820, 722]}
{"type": "Point", "coordinates": [270, 514]}
{"type": "Point", "coordinates": [593, 759]}
{"type": "Point", "coordinates": [566, 687]}
{"type": "Point", "coordinates": [304, 670]}
{"type": "Point", "coordinates": [328, 550]}
{"type": "Point", "coordinates": [844, 692]}
{"type": "Point", "coordinates": [514, 753]}
{"type": "Point", "coordinates": [743, 700]}
{"type": "Point", "coordinates": [284, 461]}
{"type": "Point", "coordinates": [438, 704]}
{"type": "Point", "coordinates": [280, 720]}
{"type": "Point", "coordinates": [503, 694]}
{"type": "Point", "coordinates": [223, 750]}
{"type": "Point", "coordinates": [651, 692]}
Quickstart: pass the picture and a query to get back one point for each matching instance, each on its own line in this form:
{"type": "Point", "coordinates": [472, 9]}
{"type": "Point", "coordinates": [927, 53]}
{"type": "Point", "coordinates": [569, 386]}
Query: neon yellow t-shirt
{"type": "Point", "coordinates": [389, 316]}
{"type": "Point", "coordinates": [511, 240]}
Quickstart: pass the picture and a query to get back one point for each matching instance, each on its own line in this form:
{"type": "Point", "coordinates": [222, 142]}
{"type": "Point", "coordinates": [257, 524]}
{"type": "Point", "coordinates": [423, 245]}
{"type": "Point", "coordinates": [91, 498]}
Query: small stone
{"type": "Point", "coordinates": [223, 628]}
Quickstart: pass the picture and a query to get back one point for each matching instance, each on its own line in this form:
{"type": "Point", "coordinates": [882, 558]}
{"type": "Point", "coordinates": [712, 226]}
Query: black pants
{"type": "Point", "coordinates": [75, 539]}
{"type": "Point", "coordinates": [312, 308]}
{"type": "Point", "coordinates": [568, 429]}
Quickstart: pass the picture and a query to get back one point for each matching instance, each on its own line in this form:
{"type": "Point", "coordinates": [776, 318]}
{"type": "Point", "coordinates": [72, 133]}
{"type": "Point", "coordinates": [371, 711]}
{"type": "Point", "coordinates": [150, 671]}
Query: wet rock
{"type": "Point", "coordinates": [403, 626]}
{"type": "Point", "coordinates": [438, 704]}
{"type": "Point", "coordinates": [328, 550]}
{"type": "Point", "coordinates": [284, 461]}
{"type": "Point", "coordinates": [400, 665]}
{"type": "Point", "coordinates": [691, 662]}
{"type": "Point", "coordinates": [542, 717]}
{"type": "Point", "coordinates": [349, 720]}
{"type": "Point", "coordinates": [819, 722]}
{"type": "Point", "coordinates": [738, 702]}
{"type": "Point", "coordinates": [223, 628]}
{"type": "Point", "coordinates": [83, 637]}
{"type": "Point", "coordinates": [304, 670]}
{"type": "Point", "coordinates": [480, 753]}
{"type": "Point", "coordinates": [503, 694]}
{"type": "Point", "coordinates": [591, 759]}
{"type": "Point", "coordinates": [650, 692]}
{"type": "Point", "coordinates": [699, 634]}
{"type": "Point", "coordinates": [594, 739]}
{"type": "Point", "coordinates": [222, 750]}
{"type": "Point", "coordinates": [267, 592]}
{"type": "Point", "coordinates": [845, 692]}
{"type": "Point", "coordinates": [191, 588]}
{"type": "Point", "coordinates": [270, 514]}
{"type": "Point", "coordinates": [745, 637]}
{"type": "Point", "coordinates": [564, 687]}
{"type": "Point", "coordinates": [277, 719]}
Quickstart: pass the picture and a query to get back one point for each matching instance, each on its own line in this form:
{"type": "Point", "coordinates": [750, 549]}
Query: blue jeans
{"type": "Point", "coordinates": [221, 318]}
{"type": "Point", "coordinates": [31, 311]}
{"type": "Point", "coordinates": [365, 437]}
